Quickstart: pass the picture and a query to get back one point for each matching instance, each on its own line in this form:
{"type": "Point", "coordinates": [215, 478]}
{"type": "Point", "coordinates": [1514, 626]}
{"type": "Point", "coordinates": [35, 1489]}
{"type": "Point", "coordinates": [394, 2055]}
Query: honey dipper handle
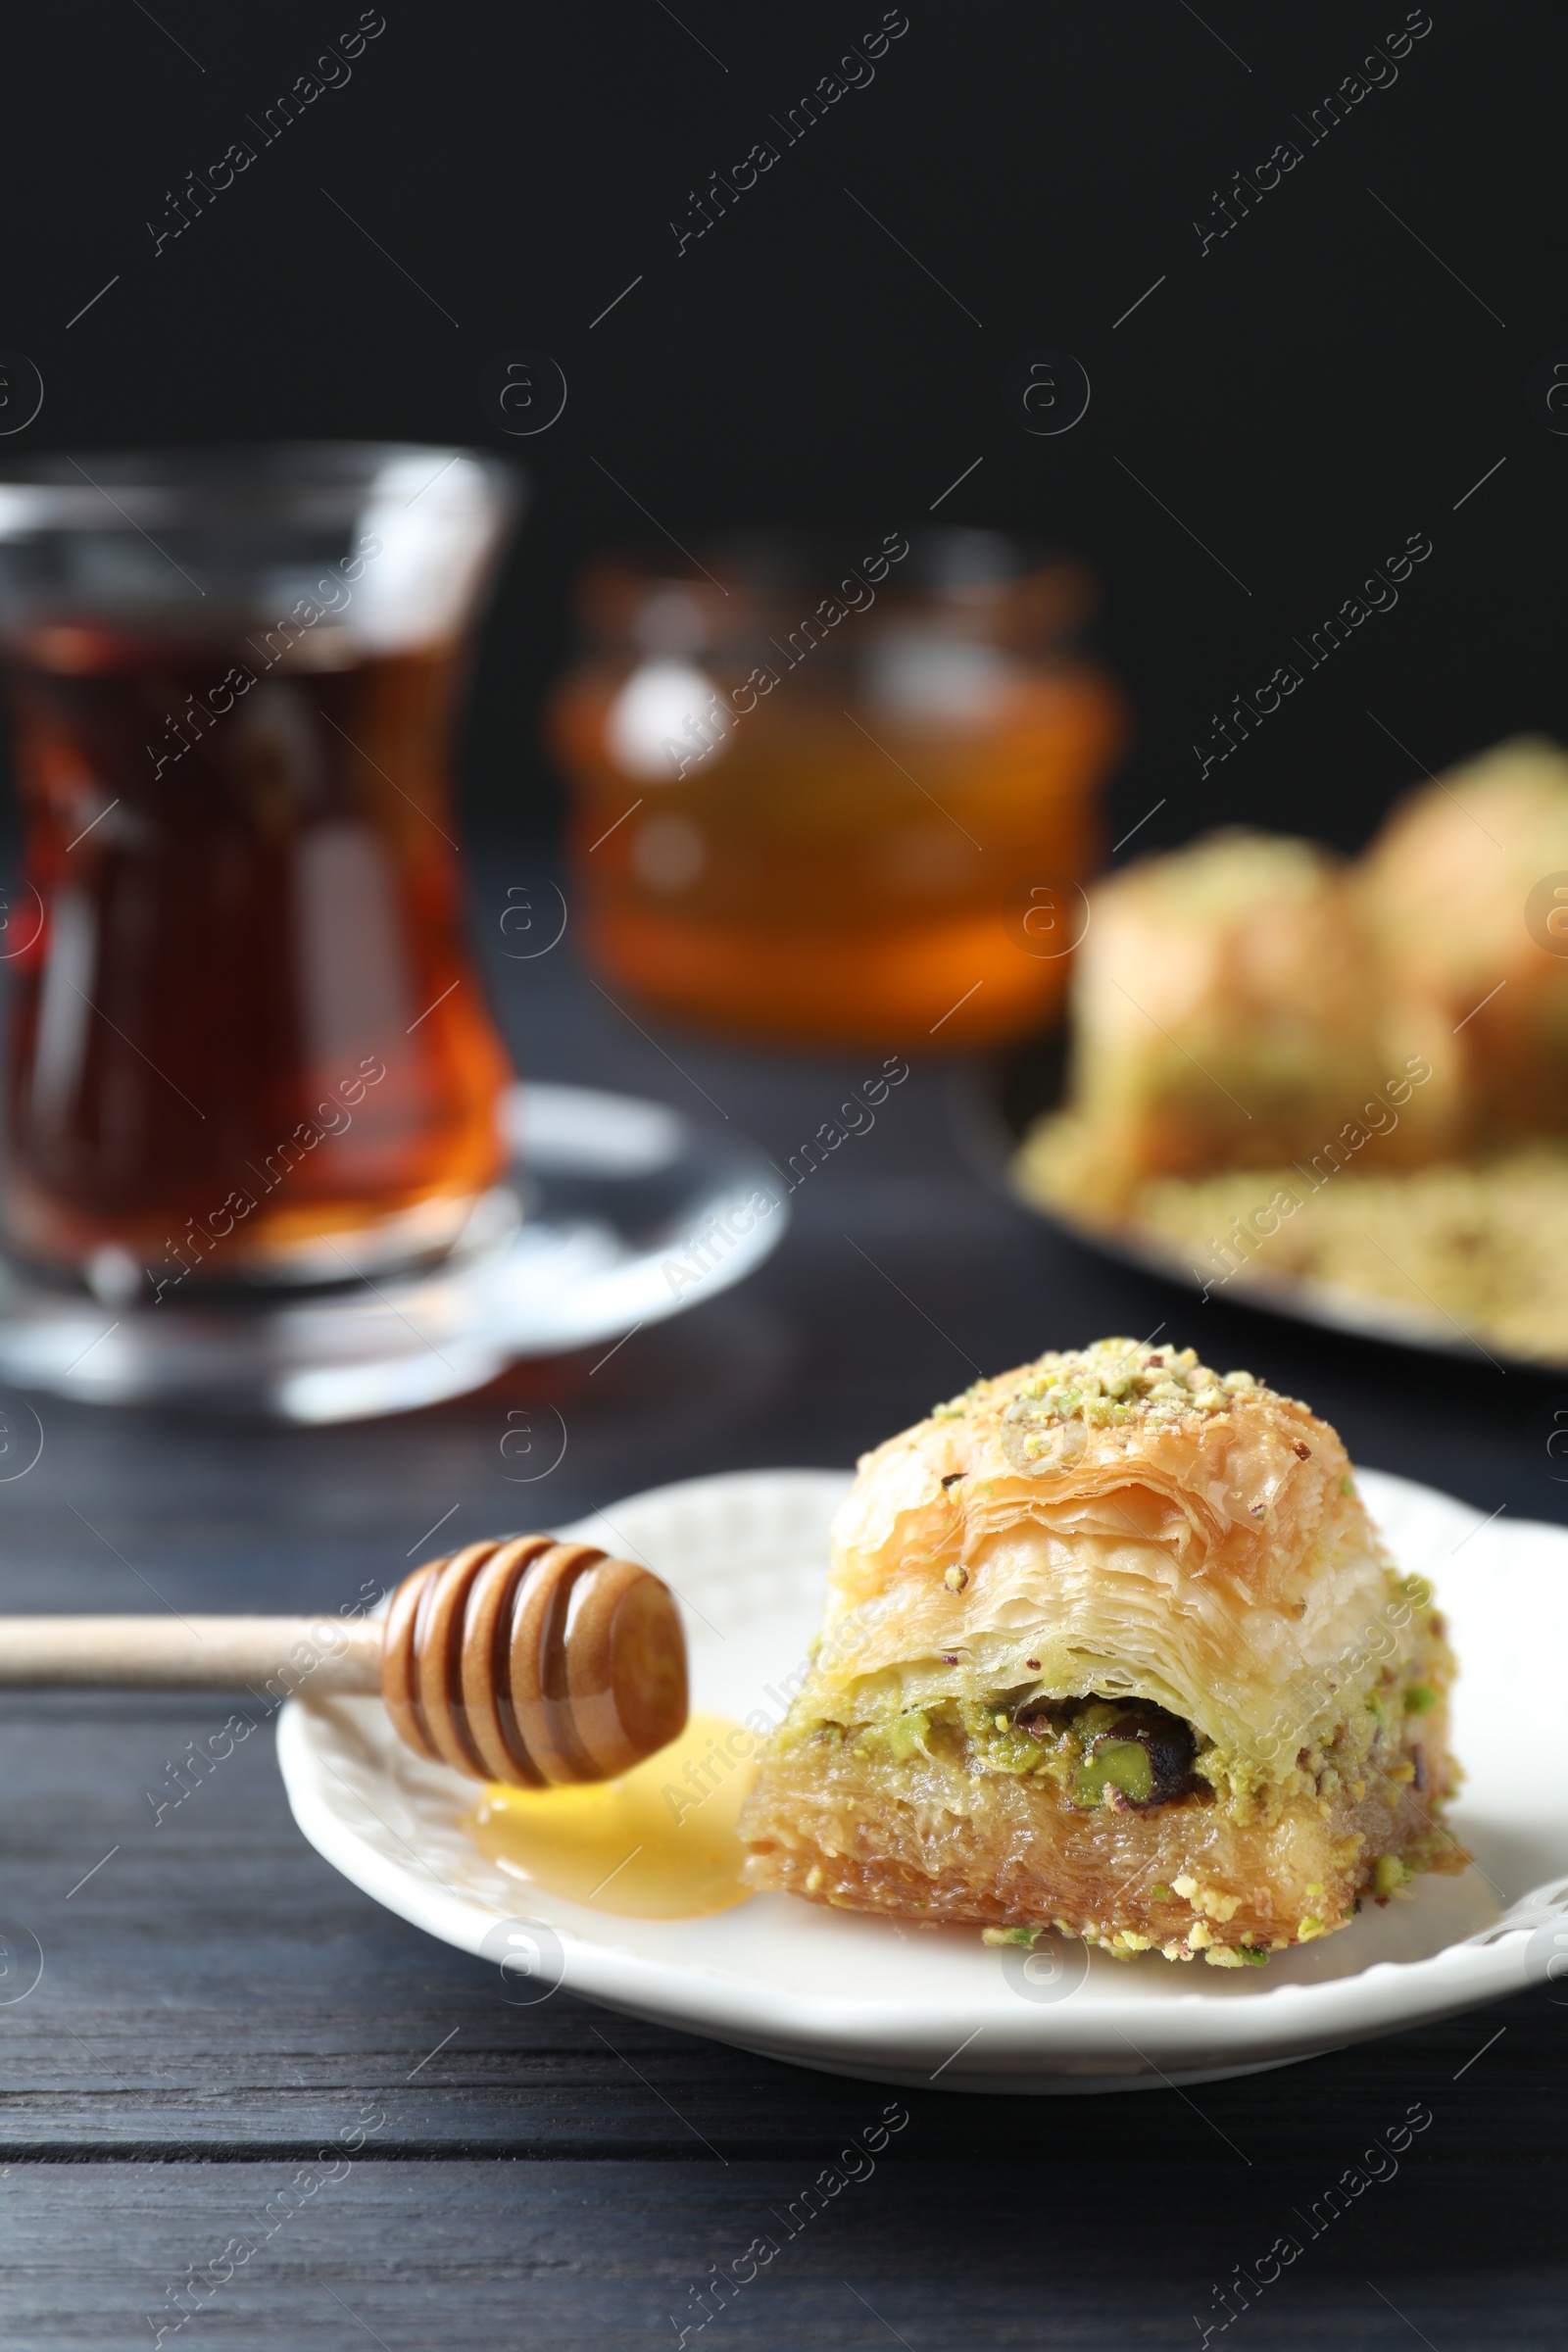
{"type": "Point", "coordinates": [325, 1654]}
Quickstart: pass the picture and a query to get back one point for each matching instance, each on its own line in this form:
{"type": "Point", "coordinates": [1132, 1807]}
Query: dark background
{"type": "Point", "coordinates": [1304, 396]}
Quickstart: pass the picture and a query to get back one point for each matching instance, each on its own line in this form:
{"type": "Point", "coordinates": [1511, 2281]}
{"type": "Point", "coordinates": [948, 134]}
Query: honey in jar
{"type": "Point", "coordinates": [838, 799]}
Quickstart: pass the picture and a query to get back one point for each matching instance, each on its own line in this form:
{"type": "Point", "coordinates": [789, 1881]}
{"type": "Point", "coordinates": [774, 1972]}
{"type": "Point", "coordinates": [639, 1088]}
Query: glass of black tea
{"type": "Point", "coordinates": [247, 1047]}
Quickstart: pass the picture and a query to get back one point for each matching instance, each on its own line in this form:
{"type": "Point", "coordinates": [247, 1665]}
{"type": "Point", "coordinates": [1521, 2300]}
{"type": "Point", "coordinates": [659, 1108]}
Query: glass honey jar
{"type": "Point", "coordinates": [837, 796]}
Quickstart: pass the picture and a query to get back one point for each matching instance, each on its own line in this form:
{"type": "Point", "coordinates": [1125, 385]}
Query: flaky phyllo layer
{"type": "Point", "coordinates": [1104, 1630]}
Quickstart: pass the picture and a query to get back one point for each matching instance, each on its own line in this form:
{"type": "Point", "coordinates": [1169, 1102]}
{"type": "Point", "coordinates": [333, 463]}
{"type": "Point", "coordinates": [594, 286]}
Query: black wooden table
{"type": "Point", "coordinates": [236, 2070]}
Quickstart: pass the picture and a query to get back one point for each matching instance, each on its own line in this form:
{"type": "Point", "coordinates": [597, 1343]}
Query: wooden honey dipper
{"type": "Point", "coordinates": [528, 1660]}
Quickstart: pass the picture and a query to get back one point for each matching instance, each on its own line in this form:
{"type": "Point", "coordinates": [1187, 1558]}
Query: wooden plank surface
{"type": "Point", "coordinates": [216, 2006]}
{"type": "Point", "coordinates": [576, 2256]}
{"type": "Point", "coordinates": [215, 1987]}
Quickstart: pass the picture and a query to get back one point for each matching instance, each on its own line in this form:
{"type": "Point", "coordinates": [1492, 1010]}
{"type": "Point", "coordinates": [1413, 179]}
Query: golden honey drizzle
{"type": "Point", "coordinates": [658, 1842]}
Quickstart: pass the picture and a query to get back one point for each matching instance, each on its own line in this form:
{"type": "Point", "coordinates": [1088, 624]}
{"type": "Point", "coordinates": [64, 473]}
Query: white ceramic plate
{"type": "Point", "coordinates": [862, 1996]}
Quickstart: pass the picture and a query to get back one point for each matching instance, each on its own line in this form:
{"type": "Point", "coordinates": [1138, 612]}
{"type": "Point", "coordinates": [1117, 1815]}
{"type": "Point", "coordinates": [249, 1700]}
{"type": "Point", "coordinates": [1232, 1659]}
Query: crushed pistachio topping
{"type": "Point", "coordinates": [1388, 1875]}
{"type": "Point", "coordinates": [909, 1733]}
{"type": "Point", "coordinates": [1101, 1386]}
{"type": "Point", "coordinates": [957, 1407]}
{"type": "Point", "coordinates": [1210, 1899]}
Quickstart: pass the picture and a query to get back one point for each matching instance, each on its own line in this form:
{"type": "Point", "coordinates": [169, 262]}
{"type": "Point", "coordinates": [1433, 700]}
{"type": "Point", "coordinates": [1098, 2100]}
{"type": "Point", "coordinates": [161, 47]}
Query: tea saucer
{"type": "Point", "coordinates": [614, 1212]}
{"type": "Point", "coordinates": [867, 1997]}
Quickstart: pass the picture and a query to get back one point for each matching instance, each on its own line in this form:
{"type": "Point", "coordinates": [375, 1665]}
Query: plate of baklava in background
{"type": "Point", "coordinates": [1338, 1089]}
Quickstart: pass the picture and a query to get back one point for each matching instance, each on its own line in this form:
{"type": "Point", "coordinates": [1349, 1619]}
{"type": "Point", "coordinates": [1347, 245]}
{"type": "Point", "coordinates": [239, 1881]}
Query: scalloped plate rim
{"type": "Point", "coordinates": [1200, 2030]}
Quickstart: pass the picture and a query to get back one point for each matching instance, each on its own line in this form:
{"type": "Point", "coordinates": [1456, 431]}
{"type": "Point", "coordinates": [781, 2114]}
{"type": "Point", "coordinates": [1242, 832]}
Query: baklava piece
{"type": "Point", "coordinates": [1466, 894]}
{"type": "Point", "coordinates": [1112, 1648]}
{"type": "Point", "coordinates": [1223, 1016]}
